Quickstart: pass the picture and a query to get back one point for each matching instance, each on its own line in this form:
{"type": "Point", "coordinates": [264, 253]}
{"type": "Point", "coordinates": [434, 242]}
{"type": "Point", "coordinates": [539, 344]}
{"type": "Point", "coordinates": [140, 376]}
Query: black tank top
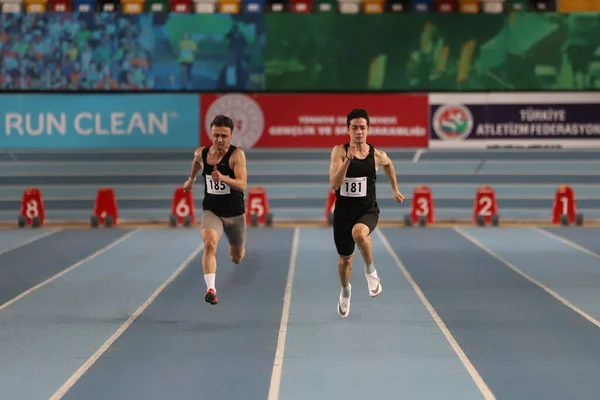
{"type": "Point", "coordinates": [357, 194]}
{"type": "Point", "coordinates": [219, 197]}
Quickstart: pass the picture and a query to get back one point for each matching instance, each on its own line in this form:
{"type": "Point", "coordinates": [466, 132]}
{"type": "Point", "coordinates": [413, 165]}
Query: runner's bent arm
{"type": "Point", "coordinates": [196, 164]}
{"type": "Point", "coordinates": [338, 167]}
{"type": "Point", "coordinates": [382, 159]}
{"type": "Point", "coordinates": [239, 168]}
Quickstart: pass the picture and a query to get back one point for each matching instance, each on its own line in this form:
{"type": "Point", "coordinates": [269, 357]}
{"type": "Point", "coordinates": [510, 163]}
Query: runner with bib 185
{"type": "Point", "coordinates": [223, 167]}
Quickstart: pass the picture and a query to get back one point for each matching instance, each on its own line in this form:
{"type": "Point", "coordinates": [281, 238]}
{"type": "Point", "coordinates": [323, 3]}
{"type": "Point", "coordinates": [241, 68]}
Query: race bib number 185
{"type": "Point", "coordinates": [354, 187]}
{"type": "Point", "coordinates": [217, 188]}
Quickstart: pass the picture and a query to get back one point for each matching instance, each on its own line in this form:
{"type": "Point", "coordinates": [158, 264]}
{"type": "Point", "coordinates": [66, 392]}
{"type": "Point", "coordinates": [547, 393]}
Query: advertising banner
{"type": "Point", "coordinates": [530, 120]}
{"type": "Point", "coordinates": [433, 52]}
{"type": "Point", "coordinates": [120, 52]}
{"type": "Point", "coordinates": [317, 120]}
{"type": "Point", "coordinates": [99, 121]}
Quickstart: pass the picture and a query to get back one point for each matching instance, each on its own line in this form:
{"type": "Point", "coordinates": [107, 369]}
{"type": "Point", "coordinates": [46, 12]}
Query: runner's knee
{"type": "Point", "coordinates": [210, 246]}
{"type": "Point", "coordinates": [360, 234]}
{"type": "Point", "coordinates": [345, 261]}
{"type": "Point", "coordinates": [211, 239]}
{"type": "Point", "coordinates": [236, 254]}
{"type": "Point", "coordinates": [236, 259]}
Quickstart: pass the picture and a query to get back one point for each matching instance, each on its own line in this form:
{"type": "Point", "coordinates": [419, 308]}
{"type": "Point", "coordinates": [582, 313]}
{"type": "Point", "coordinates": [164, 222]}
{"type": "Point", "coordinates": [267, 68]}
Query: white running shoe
{"type": "Point", "coordinates": [343, 307]}
{"type": "Point", "coordinates": [374, 284]}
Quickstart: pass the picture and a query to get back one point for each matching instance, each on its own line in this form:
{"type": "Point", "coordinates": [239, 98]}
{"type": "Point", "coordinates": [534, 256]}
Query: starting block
{"type": "Point", "coordinates": [564, 209]}
{"type": "Point", "coordinates": [183, 209]}
{"type": "Point", "coordinates": [330, 207]}
{"type": "Point", "coordinates": [32, 211]}
{"type": "Point", "coordinates": [257, 207]}
{"type": "Point", "coordinates": [485, 207]}
{"type": "Point", "coordinates": [105, 209]}
{"type": "Point", "coordinates": [422, 208]}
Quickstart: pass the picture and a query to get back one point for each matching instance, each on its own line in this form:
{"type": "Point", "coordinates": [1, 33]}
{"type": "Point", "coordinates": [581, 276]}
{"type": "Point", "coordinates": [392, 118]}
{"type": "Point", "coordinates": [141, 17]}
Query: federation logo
{"type": "Point", "coordinates": [248, 118]}
{"type": "Point", "coordinates": [452, 122]}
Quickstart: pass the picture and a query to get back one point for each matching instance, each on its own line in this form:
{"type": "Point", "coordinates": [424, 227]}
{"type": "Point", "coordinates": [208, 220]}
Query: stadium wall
{"type": "Point", "coordinates": [272, 121]}
{"type": "Point", "coordinates": [154, 80]}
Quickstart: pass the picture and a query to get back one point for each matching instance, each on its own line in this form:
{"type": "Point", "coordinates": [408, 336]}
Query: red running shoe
{"type": "Point", "coordinates": [211, 296]}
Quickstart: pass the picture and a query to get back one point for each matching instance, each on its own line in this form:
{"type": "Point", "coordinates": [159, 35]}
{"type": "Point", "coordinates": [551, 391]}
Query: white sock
{"type": "Point", "coordinates": [210, 281]}
{"type": "Point", "coordinates": [369, 269]}
{"type": "Point", "coordinates": [346, 291]}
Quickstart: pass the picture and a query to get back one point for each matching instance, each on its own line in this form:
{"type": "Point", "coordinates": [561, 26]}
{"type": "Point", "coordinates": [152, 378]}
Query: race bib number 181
{"type": "Point", "coordinates": [217, 188]}
{"type": "Point", "coordinates": [354, 187]}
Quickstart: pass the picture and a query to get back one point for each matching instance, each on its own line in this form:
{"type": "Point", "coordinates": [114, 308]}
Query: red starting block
{"type": "Point", "coordinates": [422, 208]}
{"type": "Point", "coordinates": [330, 207]}
{"type": "Point", "coordinates": [105, 209]}
{"type": "Point", "coordinates": [257, 207]}
{"type": "Point", "coordinates": [32, 211]}
{"type": "Point", "coordinates": [564, 209]}
{"type": "Point", "coordinates": [183, 209]}
{"type": "Point", "coordinates": [485, 207]}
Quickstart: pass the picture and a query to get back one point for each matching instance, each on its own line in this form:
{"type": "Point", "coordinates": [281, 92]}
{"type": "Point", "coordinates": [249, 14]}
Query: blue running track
{"type": "Point", "coordinates": [465, 313]}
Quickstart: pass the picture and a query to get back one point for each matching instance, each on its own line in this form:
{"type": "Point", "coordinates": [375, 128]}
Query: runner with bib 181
{"type": "Point", "coordinates": [352, 174]}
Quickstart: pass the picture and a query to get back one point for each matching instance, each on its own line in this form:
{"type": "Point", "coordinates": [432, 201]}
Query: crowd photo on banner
{"type": "Point", "coordinates": [131, 52]}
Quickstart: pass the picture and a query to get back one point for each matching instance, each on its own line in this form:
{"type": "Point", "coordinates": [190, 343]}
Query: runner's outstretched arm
{"type": "Point", "coordinates": [382, 159]}
{"type": "Point", "coordinates": [197, 166]}
{"type": "Point", "coordinates": [196, 163]}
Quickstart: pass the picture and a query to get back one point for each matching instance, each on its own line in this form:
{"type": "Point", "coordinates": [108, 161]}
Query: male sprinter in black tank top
{"type": "Point", "coordinates": [223, 206]}
{"type": "Point", "coordinates": [352, 174]}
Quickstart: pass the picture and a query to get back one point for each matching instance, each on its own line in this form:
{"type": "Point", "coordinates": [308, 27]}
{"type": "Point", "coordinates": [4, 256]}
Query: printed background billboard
{"type": "Point", "coordinates": [461, 120]}
{"type": "Point", "coordinates": [88, 121]}
{"type": "Point", "coordinates": [432, 52]}
{"type": "Point", "coordinates": [131, 52]}
{"type": "Point", "coordinates": [317, 120]}
{"type": "Point", "coordinates": [218, 51]}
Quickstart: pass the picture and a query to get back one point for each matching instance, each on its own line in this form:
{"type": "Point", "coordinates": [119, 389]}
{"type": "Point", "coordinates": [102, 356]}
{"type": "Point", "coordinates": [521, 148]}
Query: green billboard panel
{"type": "Point", "coordinates": [432, 52]}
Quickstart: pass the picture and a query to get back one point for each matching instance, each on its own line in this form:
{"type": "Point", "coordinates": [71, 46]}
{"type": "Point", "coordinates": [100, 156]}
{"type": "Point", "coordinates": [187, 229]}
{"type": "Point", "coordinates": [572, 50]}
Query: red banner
{"type": "Point", "coordinates": [317, 120]}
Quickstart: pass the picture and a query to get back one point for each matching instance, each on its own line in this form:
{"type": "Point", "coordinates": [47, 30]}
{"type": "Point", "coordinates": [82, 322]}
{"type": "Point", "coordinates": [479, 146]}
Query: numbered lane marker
{"type": "Point", "coordinates": [106, 206]}
{"type": "Point", "coordinates": [422, 204]}
{"type": "Point", "coordinates": [32, 206]}
{"type": "Point", "coordinates": [183, 206]}
{"type": "Point", "coordinates": [257, 204]}
{"type": "Point", "coordinates": [485, 204]}
{"type": "Point", "coordinates": [564, 204]}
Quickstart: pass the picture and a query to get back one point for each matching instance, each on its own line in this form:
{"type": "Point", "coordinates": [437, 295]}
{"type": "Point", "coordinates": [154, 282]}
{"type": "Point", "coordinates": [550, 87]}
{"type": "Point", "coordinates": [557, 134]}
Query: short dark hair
{"type": "Point", "coordinates": [358, 113]}
{"type": "Point", "coordinates": [222, 121]}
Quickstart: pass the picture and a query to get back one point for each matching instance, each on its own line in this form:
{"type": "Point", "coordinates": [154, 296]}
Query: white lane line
{"type": "Point", "coordinates": [83, 369]}
{"type": "Point", "coordinates": [278, 363]}
{"type": "Point", "coordinates": [530, 279]}
{"type": "Point", "coordinates": [67, 270]}
{"type": "Point", "coordinates": [485, 390]}
{"type": "Point", "coordinates": [30, 240]}
{"type": "Point", "coordinates": [417, 156]}
{"type": "Point", "coordinates": [567, 242]}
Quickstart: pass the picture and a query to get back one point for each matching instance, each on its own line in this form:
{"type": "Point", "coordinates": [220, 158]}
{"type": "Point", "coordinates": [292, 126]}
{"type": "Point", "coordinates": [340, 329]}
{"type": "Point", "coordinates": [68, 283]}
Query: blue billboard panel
{"type": "Point", "coordinates": [99, 121]}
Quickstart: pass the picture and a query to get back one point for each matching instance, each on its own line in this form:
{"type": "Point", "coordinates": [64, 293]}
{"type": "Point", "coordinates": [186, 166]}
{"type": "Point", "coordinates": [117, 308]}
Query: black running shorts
{"type": "Point", "coordinates": [342, 229]}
